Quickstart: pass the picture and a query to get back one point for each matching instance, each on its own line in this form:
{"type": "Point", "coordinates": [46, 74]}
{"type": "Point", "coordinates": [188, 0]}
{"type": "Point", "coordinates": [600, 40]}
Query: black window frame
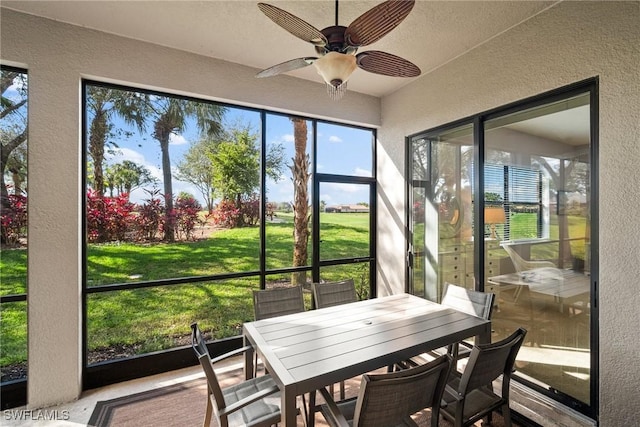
{"type": "Point", "coordinates": [113, 371]}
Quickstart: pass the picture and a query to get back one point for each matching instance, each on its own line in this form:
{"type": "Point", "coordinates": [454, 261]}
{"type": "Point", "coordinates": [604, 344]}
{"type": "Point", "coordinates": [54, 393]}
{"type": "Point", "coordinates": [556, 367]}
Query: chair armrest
{"type": "Point", "coordinates": [231, 353]}
{"type": "Point", "coordinates": [249, 399]}
{"type": "Point", "coordinates": [333, 409]}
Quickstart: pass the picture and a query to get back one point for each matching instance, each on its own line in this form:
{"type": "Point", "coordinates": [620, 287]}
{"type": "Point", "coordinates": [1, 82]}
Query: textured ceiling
{"type": "Point", "coordinates": [434, 33]}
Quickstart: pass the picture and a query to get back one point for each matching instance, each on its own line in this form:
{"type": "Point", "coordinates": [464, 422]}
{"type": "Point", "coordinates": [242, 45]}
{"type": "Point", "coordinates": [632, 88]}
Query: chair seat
{"type": "Point", "coordinates": [262, 412]}
{"type": "Point", "coordinates": [475, 401]}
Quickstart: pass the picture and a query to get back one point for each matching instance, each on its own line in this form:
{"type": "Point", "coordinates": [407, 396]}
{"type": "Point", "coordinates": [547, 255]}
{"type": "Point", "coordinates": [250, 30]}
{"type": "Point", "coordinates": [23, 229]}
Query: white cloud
{"type": "Point", "coordinates": [175, 139]}
{"type": "Point", "coordinates": [361, 172]}
{"type": "Point", "coordinates": [288, 138]}
{"type": "Point", "coordinates": [335, 139]}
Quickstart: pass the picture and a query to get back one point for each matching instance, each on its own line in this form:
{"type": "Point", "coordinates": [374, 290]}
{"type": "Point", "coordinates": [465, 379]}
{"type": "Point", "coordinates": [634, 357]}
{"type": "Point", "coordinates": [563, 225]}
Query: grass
{"type": "Point", "coordinates": [143, 320]}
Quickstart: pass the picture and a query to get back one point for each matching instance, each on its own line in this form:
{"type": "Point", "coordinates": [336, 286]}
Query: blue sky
{"type": "Point", "coordinates": [342, 150]}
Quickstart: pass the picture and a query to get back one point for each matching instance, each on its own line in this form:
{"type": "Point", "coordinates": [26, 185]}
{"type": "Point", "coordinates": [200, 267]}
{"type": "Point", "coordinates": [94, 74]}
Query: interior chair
{"type": "Point", "coordinates": [254, 402]}
{"type": "Point", "coordinates": [521, 264]}
{"type": "Point", "coordinates": [468, 301]}
{"type": "Point", "coordinates": [471, 397]}
{"type": "Point", "coordinates": [328, 294]}
{"type": "Point", "coordinates": [389, 399]}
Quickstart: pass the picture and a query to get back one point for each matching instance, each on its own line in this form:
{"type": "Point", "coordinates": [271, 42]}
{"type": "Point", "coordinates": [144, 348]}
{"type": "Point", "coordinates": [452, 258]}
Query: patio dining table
{"type": "Point", "coordinates": [306, 351]}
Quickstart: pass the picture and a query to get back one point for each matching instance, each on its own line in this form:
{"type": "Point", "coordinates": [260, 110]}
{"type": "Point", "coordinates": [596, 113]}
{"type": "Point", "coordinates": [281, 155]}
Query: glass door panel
{"type": "Point", "coordinates": [537, 175]}
{"type": "Point", "coordinates": [441, 221]}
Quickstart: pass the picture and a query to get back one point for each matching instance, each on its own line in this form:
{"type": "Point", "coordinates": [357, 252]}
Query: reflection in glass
{"type": "Point", "coordinates": [538, 172]}
{"type": "Point", "coordinates": [442, 222]}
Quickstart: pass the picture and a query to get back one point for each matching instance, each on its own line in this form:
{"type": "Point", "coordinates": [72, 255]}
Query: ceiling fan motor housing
{"type": "Point", "coordinates": [335, 41]}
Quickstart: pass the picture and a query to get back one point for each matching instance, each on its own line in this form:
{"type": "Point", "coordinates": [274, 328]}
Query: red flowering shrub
{"type": "Point", "coordinates": [150, 217]}
{"type": "Point", "coordinates": [186, 211]}
{"type": "Point", "coordinates": [250, 210]}
{"type": "Point", "coordinates": [108, 218]}
{"type": "Point", "coordinates": [14, 219]}
{"type": "Point", "coordinates": [226, 214]}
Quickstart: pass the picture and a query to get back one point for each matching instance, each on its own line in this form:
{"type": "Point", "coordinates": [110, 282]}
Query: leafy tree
{"type": "Point", "coordinates": [196, 167]}
{"type": "Point", "coordinates": [301, 215]}
{"type": "Point", "coordinates": [103, 104]}
{"type": "Point", "coordinates": [236, 167]}
{"type": "Point", "coordinates": [127, 176]}
{"type": "Point", "coordinates": [13, 135]}
{"type": "Point", "coordinates": [170, 116]}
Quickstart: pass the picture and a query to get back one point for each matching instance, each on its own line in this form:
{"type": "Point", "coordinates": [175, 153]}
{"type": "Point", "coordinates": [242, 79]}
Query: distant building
{"type": "Point", "coordinates": [347, 208]}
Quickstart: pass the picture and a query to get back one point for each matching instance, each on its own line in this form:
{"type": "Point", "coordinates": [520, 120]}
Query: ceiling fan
{"type": "Point", "coordinates": [337, 45]}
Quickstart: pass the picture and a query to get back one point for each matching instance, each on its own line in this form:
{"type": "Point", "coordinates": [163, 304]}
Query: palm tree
{"type": "Point", "coordinates": [102, 104]}
{"type": "Point", "coordinates": [301, 216]}
{"type": "Point", "coordinates": [127, 176]}
{"type": "Point", "coordinates": [170, 117]}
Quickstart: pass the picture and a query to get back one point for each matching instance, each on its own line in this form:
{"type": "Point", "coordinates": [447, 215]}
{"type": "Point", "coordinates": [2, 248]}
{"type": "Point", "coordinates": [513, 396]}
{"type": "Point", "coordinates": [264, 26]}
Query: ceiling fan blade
{"type": "Point", "coordinates": [294, 25]}
{"type": "Point", "coordinates": [291, 65]}
{"type": "Point", "coordinates": [386, 64]}
{"type": "Point", "coordinates": [377, 22]}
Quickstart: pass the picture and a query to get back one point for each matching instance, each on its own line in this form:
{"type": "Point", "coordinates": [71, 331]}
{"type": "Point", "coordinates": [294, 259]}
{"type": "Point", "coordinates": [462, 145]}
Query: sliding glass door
{"type": "Point", "coordinates": [503, 203]}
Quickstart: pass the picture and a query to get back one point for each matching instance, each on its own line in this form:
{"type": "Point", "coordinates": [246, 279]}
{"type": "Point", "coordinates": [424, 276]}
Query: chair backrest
{"type": "Point", "coordinates": [277, 302]}
{"type": "Point", "coordinates": [387, 399]}
{"type": "Point", "coordinates": [521, 264]}
{"type": "Point", "coordinates": [202, 353]}
{"type": "Point", "coordinates": [479, 304]}
{"type": "Point", "coordinates": [334, 293]}
{"type": "Point", "coordinates": [488, 361]}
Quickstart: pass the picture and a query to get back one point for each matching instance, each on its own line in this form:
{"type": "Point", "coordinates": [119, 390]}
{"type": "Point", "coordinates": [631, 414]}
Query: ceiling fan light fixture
{"type": "Point", "coordinates": [335, 69]}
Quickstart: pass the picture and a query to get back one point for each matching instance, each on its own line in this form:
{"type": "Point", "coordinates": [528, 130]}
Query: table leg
{"type": "Point", "coordinates": [288, 408]}
{"type": "Point", "coordinates": [248, 361]}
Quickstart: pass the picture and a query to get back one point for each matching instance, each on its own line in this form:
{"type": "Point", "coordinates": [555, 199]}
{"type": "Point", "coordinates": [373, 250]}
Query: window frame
{"type": "Point", "coordinates": [103, 373]}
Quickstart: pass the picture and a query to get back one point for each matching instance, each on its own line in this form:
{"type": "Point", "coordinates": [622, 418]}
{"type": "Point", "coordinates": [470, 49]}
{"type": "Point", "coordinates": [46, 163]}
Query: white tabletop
{"type": "Point", "coordinates": [309, 350]}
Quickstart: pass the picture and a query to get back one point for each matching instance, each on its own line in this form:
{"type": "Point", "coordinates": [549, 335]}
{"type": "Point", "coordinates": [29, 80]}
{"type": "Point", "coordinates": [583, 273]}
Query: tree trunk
{"type": "Point", "coordinates": [97, 140]}
{"type": "Point", "coordinates": [300, 175]}
{"type": "Point", "coordinates": [162, 133]}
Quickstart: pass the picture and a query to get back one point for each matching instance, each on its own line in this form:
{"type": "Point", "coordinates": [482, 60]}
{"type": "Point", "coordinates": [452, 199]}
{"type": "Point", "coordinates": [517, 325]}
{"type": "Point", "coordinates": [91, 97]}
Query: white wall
{"type": "Point", "coordinates": [57, 56]}
{"type": "Point", "coordinates": [568, 43]}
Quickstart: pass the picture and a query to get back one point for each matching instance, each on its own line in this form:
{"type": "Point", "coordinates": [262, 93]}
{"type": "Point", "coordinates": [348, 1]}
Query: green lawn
{"type": "Point", "coordinates": [150, 319]}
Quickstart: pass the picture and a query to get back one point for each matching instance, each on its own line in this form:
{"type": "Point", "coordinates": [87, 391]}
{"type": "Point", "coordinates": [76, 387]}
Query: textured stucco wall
{"type": "Point", "coordinates": [57, 57]}
{"type": "Point", "coordinates": [568, 43]}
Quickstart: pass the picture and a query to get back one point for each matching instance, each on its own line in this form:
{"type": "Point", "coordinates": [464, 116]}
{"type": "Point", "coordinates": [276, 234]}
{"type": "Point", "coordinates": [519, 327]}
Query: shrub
{"type": "Point", "coordinates": [250, 210]}
{"type": "Point", "coordinates": [150, 217]}
{"type": "Point", "coordinates": [14, 219]}
{"type": "Point", "coordinates": [226, 214]}
{"type": "Point", "coordinates": [186, 215]}
{"type": "Point", "coordinates": [108, 218]}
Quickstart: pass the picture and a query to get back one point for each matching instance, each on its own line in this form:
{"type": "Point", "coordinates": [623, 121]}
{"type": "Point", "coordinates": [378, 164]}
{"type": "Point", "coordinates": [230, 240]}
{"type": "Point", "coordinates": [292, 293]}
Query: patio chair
{"type": "Point", "coordinates": [390, 399]}
{"type": "Point", "coordinates": [254, 402]}
{"type": "Point", "coordinates": [477, 303]}
{"type": "Point", "coordinates": [329, 294]}
{"type": "Point", "coordinates": [269, 303]}
{"type": "Point", "coordinates": [471, 397]}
